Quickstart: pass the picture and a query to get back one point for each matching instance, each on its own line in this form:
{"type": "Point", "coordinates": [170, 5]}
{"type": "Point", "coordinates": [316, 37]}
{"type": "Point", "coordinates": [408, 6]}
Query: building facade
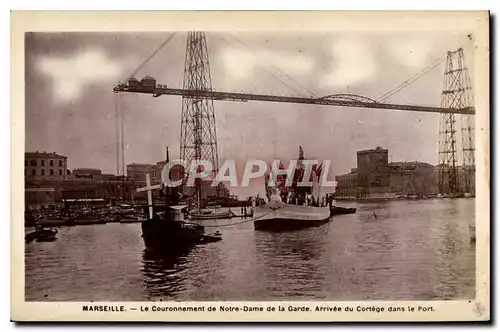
{"type": "Point", "coordinates": [375, 177]}
{"type": "Point", "coordinates": [412, 178]}
{"type": "Point", "coordinates": [347, 184]}
{"type": "Point", "coordinates": [86, 173]}
{"type": "Point", "coordinates": [207, 190]}
{"type": "Point", "coordinates": [373, 168]}
{"type": "Point", "coordinates": [45, 165]}
{"type": "Point", "coordinates": [137, 172]}
{"type": "Point", "coordinates": [40, 198]}
{"type": "Point", "coordinates": [176, 172]}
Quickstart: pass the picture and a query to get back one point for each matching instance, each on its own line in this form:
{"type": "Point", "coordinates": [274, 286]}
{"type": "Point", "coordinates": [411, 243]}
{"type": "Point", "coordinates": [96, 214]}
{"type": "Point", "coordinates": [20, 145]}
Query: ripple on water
{"type": "Point", "coordinates": [416, 250]}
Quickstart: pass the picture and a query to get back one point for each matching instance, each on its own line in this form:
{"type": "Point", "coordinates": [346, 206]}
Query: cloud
{"type": "Point", "coordinates": [413, 53]}
{"type": "Point", "coordinates": [241, 65]}
{"type": "Point", "coordinates": [71, 75]}
{"type": "Point", "coordinates": [353, 62]}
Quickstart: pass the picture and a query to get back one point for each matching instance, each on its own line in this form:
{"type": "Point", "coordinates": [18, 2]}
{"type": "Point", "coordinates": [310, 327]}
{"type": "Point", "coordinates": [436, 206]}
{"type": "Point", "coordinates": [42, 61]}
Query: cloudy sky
{"type": "Point", "coordinates": [70, 104]}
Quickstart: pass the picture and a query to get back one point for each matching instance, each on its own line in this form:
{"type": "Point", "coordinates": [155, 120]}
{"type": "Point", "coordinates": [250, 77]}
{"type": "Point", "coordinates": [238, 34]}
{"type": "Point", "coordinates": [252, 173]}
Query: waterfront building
{"type": "Point", "coordinates": [412, 178]}
{"type": "Point", "coordinates": [137, 172]}
{"type": "Point", "coordinates": [86, 173]}
{"type": "Point", "coordinates": [176, 171]}
{"type": "Point", "coordinates": [375, 177]}
{"type": "Point", "coordinates": [347, 184]}
{"type": "Point", "coordinates": [40, 198]}
{"type": "Point", "coordinates": [207, 191]}
{"type": "Point", "coordinates": [373, 168]}
{"type": "Point", "coordinates": [45, 165]}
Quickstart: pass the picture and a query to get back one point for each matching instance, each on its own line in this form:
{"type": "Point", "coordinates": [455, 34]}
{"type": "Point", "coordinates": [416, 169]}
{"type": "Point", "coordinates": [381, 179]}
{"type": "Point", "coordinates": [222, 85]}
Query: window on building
{"type": "Point", "coordinates": [60, 172]}
{"type": "Point", "coordinates": [42, 162]}
{"type": "Point", "coordinates": [51, 163]}
{"type": "Point", "coordinates": [33, 162]}
{"type": "Point", "coordinates": [51, 172]}
{"type": "Point", "coordinates": [43, 172]}
{"type": "Point", "coordinates": [25, 163]}
{"type": "Point", "coordinates": [33, 172]}
{"type": "Point", "coordinates": [60, 163]}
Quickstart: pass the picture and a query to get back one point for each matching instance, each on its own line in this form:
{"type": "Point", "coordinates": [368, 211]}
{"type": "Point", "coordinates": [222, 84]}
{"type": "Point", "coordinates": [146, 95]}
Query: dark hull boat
{"type": "Point", "coordinates": [162, 232]}
{"type": "Point", "coordinates": [41, 234]}
{"type": "Point", "coordinates": [209, 238]}
{"type": "Point", "coordinates": [52, 222]}
{"type": "Point", "coordinates": [279, 216]}
{"type": "Point", "coordinates": [167, 231]}
{"type": "Point", "coordinates": [132, 219]}
{"type": "Point", "coordinates": [336, 210]}
{"type": "Point", "coordinates": [46, 237]}
{"type": "Point", "coordinates": [89, 219]}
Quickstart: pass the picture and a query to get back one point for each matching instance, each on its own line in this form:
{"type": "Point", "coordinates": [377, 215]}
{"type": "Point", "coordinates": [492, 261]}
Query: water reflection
{"type": "Point", "coordinates": [412, 250]}
{"type": "Point", "coordinates": [161, 271]}
{"type": "Point", "coordinates": [448, 254]}
{"type": "Point", "coordinates": [291, 262]}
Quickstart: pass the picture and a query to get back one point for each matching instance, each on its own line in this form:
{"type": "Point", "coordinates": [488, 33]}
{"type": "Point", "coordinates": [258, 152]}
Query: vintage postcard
{"type": "Point", "coordinates": [250, 166]}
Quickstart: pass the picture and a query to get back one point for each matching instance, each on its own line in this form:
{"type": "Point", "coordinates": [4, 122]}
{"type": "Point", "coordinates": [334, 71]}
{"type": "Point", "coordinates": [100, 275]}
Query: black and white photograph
{"type": "Point", "coordinates": [251, 166]}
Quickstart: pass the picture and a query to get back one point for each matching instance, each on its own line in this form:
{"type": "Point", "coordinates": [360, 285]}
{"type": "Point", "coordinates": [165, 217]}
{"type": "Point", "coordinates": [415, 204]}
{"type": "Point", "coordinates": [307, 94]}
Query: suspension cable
{"type": "Point", "coordinates": [267, 71]}
{"type": "Point", "coordinates": [275, 67]}
{"type": "Point", "coordinates": [411, 80]}
{"type": "Point", "coordinates": [153, 54]}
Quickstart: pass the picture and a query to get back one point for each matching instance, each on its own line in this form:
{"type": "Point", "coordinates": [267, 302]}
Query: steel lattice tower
{"type": "Point", "coordinates": [456, 94]}
{"type": "Point", "coordinates": [198, 134]}
{"type": "Point", "coordinates": [468, 126]}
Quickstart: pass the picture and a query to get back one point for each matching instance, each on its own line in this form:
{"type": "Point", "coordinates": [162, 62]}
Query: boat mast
{"type": "Point", "coordinates": [167, 191]}
{"type": "Point", "coordinates": [198, 194]}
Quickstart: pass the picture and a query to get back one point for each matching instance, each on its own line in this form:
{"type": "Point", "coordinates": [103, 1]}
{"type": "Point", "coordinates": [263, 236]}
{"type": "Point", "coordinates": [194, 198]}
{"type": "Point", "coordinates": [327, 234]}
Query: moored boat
{"type": "Point", "coordinates": [279, 216]}
{"type": "Point", "coordinates": [30, 236]}
{"type": "Point", "coordinates": [46, 237]}
{"type": "Point", "coordinates": [97, 221]}
{"type": "Point", "coordinates": [41, 234]}
{"type": "Point", "coordinates": [88, 219]}
{"type": "Point", "coordinates": [132, 219]}
{"type": "Point", "coordinates": [209, 238]}
{"type": "Point", "coordinates": [167, 230]}
{"type": "Point", "coordinates": [54, 222]}
{"type": "Point", "coordinates": [210, 214]}
{"type": "Point", "coordinates": [336, 210]}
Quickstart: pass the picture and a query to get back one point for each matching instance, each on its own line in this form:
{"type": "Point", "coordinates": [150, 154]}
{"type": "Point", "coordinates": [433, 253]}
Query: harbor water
{"type": "Point", "coordinates": [391, 250]}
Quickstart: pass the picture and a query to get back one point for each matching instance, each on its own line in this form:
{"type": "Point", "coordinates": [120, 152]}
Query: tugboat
{"type": "Point", "coordinates": [167, 230]}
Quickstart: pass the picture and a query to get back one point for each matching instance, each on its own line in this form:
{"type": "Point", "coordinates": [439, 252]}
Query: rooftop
{"type": "Point", "coordinates": [409, 163]}
{"type": "Point", "coordinates": [139, 164]}
{"type": "Point", "coordinates": [43, 155]}
{"type": "Point", "coordinates": [377, 149]}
